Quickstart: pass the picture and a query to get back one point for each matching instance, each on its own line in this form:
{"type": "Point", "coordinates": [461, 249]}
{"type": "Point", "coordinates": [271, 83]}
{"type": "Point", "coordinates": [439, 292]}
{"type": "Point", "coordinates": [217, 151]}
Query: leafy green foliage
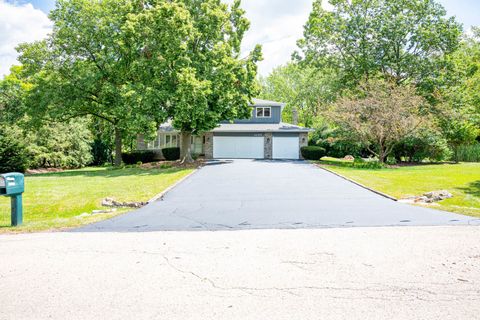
{"type": "Point", "coordinates": [171, 154]}
{"type": "Point", "coordinates": [458, 131]}
{"type": "Point", "coordinates": [312, 152]}
{"type": "Point", "coordinates": [303, 89]}
{"type": "Point", "coordinates": [367, 164]}
{"type": "Point", "coordinates": [101, 152]}
{"type": "Point", "coordinates": [89, 64]}
{"type": "Point", "coordinates": [134, 157]}
{"type": "Point", "coordinates": [135, 63]}
{"type": "Point", "coordinates": [379, 118]}
{"type": "Point", "coordinates": [401, 40]}
{"type": "Point", "coordinates": [60, 145]}
{"type": "Point", "coordinates": [334, 142]}
{"type": "Point", "coordinates": [468, 153]}
{"type": "Point", "coordinates": [358, 162]}
{"type": "Point", "coordinates": [425, 145]}
{"type": "Point", "coordinates": [14, 155]}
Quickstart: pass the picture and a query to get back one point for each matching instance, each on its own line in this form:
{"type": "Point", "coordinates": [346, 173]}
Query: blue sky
{"type": "Point", "coordinates": [276, 24]}
{"type": "Point", "coordinates": [467, 11]}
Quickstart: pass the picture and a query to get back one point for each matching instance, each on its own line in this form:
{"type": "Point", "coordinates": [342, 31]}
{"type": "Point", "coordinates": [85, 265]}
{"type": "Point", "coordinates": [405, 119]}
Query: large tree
{"type": "Point", "coordinates": [304, 89]}
{"type": "Point", "coordinates": [402, 39]}
{"type": "Point", "coordinates": [380, 116]}
{"type": "Point", "coordinates": [87, 66]}
{"type": "Point", "coordinates": [209, 81]}
{"type": "Point", "coordinates": [135, 63]}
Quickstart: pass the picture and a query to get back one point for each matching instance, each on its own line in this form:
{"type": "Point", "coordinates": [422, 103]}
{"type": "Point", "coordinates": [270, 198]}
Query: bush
{"type": "Point", "coordinates": [60, 145]}
{"type": "Point", "coordinates": [312, 152]}
{"type": "Point", "coordinates": [468, 153]}
{"type": "Point", "coordinates": [101, 153]}
{"type": "Point", "coordinates": [171, 154]}
{"type": "Point", "coordinates": [429, 146]}
{"type": "Point", "coordinates": [134, 157]}
{"type": "Point", "coordinates": [14, 155]}
{"type": "Point", "coordinates": [367, 164]}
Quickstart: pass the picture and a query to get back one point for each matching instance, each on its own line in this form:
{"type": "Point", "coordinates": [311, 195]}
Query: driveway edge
{"type": "Point", "coordinates": [167, 190]}
{"type": "Point", "coordinates": [358, 184]}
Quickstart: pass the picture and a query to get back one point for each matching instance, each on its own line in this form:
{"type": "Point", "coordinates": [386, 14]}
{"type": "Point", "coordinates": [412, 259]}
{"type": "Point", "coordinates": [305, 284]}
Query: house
{"type": "Point", "coordinates": [263, 136]}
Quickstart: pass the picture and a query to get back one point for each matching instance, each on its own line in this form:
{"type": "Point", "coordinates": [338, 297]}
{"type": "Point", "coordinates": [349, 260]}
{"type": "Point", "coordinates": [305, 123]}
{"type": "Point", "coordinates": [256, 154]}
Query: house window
{"type": "Point", "coordinates": [264, 112]}
{"type": "Point", "coordinates": [171, 140]}
{"type": "Point", "coordinates": [163, 140]}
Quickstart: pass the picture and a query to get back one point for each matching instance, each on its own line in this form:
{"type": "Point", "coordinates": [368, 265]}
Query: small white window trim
{"type": "Point", "coordinates": [262, 114]}
{"type": "Point", "coordinates": [160, 141]}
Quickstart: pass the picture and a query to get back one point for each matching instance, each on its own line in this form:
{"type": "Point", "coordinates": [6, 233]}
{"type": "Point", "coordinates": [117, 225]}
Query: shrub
{"type": "Point", "coordinates": [134, 157]}
{"type": "Point", "coordinates": [101, 152]}
{"type": "Point", "coordinates": [468, 153]}
{"type": "Point", "coordinates": [14, 155]}
{"type": "Point", "coordinates": [367, 164]}
{"type": "Point", "coordinates": [428, 145]}
{"type": "Point", "coordinates": [312, 152]}
{"type": "Point", "coordinates": [60, 145]}
{"type": "Point", "coordinates": [171, 154]}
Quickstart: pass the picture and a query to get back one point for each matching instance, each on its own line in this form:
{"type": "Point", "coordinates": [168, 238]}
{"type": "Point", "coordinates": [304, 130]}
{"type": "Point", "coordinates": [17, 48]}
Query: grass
{"type": "Point", "coordinates": [462, 180]}
{"type": "Point", "coordinates": [55, 200]}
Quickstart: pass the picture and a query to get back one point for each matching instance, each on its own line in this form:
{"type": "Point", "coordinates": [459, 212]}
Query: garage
{"type": "Point", "coordinates": [285, 147]}
{"type": "Point", "coordinates": [238, 147]}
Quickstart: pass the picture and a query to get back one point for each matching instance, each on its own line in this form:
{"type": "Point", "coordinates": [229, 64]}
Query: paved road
{"type": "Point", "coordinates": [342, 273]}
{"type": "Point", "coordinates": [249, 194]}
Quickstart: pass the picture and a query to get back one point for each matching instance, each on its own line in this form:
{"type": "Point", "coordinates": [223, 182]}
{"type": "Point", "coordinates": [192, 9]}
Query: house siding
{"type": "Point", "coordinates": [275, 118]}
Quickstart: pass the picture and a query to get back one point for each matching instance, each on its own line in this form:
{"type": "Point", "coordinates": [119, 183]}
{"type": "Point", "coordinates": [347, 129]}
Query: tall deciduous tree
{"type": "Point", "coordinates": [383, 115]}
{"type": "Point", "coordinates": [209, 81]}
{"type": "Point", "coordinates": [304, 89]}
{"type": "Point", "coordinates": [133, 63]}
{"type": "Point", "coordinates": [402, 39]}
{"type": "Point", "coordinates": [88, 65]}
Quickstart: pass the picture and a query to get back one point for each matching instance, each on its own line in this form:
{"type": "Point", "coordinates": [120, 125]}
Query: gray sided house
{"type": "Point", "coordinates": [263, 136]}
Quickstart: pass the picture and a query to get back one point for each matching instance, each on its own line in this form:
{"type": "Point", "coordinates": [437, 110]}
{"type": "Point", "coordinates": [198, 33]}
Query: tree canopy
{"type": "Point", "coordinates": [135, 63]}
{"type": "Point", "coordinates": [401, 40]}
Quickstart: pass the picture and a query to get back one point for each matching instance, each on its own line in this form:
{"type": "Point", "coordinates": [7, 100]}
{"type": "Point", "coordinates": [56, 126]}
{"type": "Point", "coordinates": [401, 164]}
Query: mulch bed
{"type": "Point", "coordinates": [43, 170]}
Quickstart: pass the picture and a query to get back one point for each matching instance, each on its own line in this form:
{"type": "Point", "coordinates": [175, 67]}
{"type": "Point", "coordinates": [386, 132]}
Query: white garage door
{"type": "Point", "coordinates": [238, 147]}
{"type": "Point", "coordinates": [286, 147]}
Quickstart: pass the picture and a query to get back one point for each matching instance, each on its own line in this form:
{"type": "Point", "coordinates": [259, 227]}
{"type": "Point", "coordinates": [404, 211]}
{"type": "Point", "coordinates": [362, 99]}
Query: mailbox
{"type": "Point", "coordinates": [12, 185]}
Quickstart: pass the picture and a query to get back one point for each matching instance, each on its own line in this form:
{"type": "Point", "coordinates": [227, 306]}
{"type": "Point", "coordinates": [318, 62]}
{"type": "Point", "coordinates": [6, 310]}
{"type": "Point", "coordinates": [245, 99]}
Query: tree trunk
{"type": "Point", "coordinates": [382, 155]}
{"type": "Point", "coordinates": [185, 152]}
{"type": "Point", "coordinates": [118, 147]}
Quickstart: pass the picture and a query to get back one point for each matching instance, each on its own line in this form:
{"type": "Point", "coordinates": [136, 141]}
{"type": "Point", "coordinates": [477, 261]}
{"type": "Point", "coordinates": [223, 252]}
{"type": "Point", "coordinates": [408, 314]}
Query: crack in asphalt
{"type": "Point", "coordinates": [414, 293]}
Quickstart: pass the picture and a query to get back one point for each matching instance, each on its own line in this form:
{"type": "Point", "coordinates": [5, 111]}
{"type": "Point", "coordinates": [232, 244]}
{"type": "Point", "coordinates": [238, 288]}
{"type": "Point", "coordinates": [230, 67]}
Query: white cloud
{"type": "Point", "coordinates": [276, 25]}
{"type": "Point", "coordinates": [18, 24]}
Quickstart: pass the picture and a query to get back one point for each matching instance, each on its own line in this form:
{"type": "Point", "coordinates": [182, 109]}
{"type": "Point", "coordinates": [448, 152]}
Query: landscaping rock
{"type": "Point", "coordinates": [434, 196]}
{"type": "Point", "coordinates": [429, 197]}
{"type": "Point", "coordinates": [110, 202]}
{"type": "Point", "coordinates": [349, 158]}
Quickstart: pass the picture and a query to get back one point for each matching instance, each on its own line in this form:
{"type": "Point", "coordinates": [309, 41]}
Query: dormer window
{"type": "Point", "coordinates": [264, 112]}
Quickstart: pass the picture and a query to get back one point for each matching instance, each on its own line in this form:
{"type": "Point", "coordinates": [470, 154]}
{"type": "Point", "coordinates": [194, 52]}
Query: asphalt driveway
{"type": "Point", "coordinates": [253, 194]}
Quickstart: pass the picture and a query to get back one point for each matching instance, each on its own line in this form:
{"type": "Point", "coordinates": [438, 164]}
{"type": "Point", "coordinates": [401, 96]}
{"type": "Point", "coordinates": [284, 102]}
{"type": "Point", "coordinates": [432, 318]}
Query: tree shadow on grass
{"type": "Point", "coordinates": [110, 172]}
{"type": "Point", "coordinates": [473, 188]}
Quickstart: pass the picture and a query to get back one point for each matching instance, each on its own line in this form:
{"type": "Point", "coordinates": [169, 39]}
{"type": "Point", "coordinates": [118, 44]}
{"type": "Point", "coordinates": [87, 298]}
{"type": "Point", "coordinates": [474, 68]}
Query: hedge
{"type": "Point", "coordinates": [312, 152]}
{"type": "Point", "coordinates": [171, 154]}
{"type": "Point", "coordinates": [135, 157]}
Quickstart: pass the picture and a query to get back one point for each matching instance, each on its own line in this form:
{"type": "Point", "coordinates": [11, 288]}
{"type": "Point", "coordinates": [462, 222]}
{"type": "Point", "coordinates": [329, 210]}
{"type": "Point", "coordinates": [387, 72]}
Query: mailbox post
{"type": "Point", "coordinates": [12, 185]}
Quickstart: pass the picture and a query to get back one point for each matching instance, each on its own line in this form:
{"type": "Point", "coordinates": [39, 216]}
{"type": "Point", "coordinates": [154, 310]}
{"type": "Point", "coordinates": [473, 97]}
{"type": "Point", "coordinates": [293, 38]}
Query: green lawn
{"type": "Point", "coordinates": [462, 180]}
{"type": "Point", "coordinates": [55, 200]}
